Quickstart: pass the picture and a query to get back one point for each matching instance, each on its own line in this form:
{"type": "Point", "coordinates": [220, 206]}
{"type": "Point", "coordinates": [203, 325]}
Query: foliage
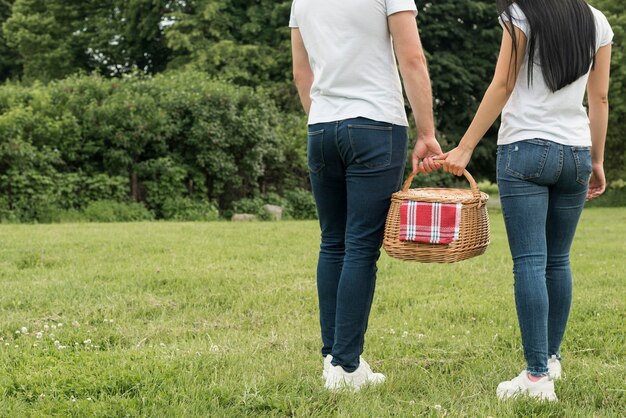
{"type": "Point", "coordinates": [57, 38]}
{"type": "Point", "coordinates": [301, 204]}
{"type": "Point", "coordinates": [185, 209]}
{"type": "Point", "coordinates": [174, 136]}
{"type": "Point", "coordinates": [111, 211]}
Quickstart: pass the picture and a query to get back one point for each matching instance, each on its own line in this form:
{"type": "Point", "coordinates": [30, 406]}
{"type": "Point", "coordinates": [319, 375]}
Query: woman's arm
{"type": "Point", "coordinates": [302, 73]}
{"type": "Point", "coordinates": [496, 96]}
{"type": "Point", "coordinates": [414, 70]}
{"type": "Point", "coordinates": [598, 98]}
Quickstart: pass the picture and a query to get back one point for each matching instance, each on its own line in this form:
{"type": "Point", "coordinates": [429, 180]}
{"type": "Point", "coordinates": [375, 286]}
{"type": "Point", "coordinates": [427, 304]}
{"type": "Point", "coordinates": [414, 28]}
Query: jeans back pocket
{"type": "Point", "coordinates": [315, 151]}
{"type": "Point", "coordinates": [582, 158]}
{"type": "Point", "coordinates": [371, 144]}
{"type": "Point", "coordinates": [526, 160]}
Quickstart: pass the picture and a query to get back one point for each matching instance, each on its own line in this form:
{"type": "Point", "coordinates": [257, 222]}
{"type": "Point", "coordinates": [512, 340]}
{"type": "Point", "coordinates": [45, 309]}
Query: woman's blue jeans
{"type": "Point", "coordinates": [355, 165]}
{"type": "Point", "coordinates": [543, 186]}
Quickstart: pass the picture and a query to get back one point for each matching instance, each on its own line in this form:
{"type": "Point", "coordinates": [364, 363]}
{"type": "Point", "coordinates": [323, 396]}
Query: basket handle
{"type": "Point", "coordinates": [466, 173]}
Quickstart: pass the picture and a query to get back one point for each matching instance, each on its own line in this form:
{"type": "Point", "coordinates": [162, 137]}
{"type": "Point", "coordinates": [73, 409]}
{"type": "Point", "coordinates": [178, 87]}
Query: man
{"type": "Point", "coordinates": [347, 78]}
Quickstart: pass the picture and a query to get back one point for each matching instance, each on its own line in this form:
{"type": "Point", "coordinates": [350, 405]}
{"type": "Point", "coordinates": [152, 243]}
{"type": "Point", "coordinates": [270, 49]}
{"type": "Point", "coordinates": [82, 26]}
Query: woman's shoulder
{"type": "Point", "coordinates": [604, 30]}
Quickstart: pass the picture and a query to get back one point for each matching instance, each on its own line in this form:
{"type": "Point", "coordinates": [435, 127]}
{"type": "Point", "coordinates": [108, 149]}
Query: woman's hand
{"type": "Point", "coordinates": [597, 183]}
{"type": "Point", "coordinates": [456, 160]}
{"type": "Point", "coordinates": [426, 148]}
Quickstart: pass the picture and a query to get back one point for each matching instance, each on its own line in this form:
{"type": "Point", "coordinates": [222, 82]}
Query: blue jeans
{"type": "Point", "coordinates": [355, 165]}
{"type": "Point", "coordinates": [543, 186]}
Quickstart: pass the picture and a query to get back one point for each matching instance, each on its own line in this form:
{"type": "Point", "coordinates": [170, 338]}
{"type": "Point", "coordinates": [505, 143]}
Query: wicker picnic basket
{"type": "Point", "coordinates": [474, 228]}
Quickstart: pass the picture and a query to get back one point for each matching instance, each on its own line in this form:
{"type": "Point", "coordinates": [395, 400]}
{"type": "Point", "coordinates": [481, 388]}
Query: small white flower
{"type": "Point", "coordinates": [392, 331]}
{"type": "Point", "coordinates": [89, 399]}
{"type": "Point", "coordinates": [420, 335]}
{"type": "Point", "coordinates": [17, 332]}
{"type": "Point", "coordinates": [87, 341]}
{"type": "Point", "coordinates": [214, 348]}
{"type": "Point", "coordinates": [60, 325]}
{"type": "Point", "coordinates": [56, 342]}
{"type": "Point", "coordinates": [162, 344]}
{"type": "Point", "coordinates": [405, 334]}
{"type": "Point", "coordinates": [24, 330]}
{"type": "Point", "coordinates": [46, 327]}
{"type": "Point", "coordinates": [39, 335]}
{"type": "Point", "coordinates": [437, 407]}
{"type": "Point", "coordinates": [53, 326]}
{"type": "Point", "coordinates": [6, 344]}
{"type": "Point", "coordinates": [43, 395]}
{"type": "Point", "coordinates": [73, 399]}
{"type": "Point", "coordinates": [35, 345]}
{"type": "Point", "coordinates": [411, 402]}
{"type": "Point", "coordinates": [1, 338]}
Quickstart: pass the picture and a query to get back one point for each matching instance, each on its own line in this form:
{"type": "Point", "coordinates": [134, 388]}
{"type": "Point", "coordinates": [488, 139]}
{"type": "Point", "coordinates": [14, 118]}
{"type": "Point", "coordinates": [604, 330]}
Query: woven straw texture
{"type": "Point", "coordinates": [474, 236]}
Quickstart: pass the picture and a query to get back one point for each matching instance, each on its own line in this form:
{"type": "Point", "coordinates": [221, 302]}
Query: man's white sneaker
{"type": "Point", "coordinates": [554, 368]}
{"type": "Point", "coordinates": [522, 386]}
{"type": "Point", "coordinates": [328, 365]}
{"type": "Point", "coordinates": [337, 378]}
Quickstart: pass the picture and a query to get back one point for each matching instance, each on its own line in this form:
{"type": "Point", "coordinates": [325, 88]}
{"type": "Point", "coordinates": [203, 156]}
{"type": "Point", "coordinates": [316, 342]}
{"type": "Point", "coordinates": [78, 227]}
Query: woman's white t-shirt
{"type": "Point", "coordinates": [535, 111]}
{"type": "Point", "coordinates": [352, 58]}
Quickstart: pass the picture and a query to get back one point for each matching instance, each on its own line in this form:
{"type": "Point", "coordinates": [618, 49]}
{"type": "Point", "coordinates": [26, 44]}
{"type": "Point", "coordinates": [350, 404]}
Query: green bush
{"type": "Point", "coordinates": [154, 140]}
{"type": "Point", "coordinates": [301, 204]}
{"type": "Point", "coordinates": [187, 210]}
{"type": "Point", "coordinates": [110, 211]}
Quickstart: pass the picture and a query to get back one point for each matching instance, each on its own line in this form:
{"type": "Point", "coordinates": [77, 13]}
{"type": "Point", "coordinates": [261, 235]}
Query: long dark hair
{"type": "Point", "coordinates": [562, 38]}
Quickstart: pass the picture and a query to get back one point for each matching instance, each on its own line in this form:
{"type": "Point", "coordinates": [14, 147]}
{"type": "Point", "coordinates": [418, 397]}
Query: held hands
{"type": "Point", "coordinates": [426, 149]}
{"type": "Point", "coordinates": [597, 183]}
{"type": "Point", "coordinates": [456, 160]}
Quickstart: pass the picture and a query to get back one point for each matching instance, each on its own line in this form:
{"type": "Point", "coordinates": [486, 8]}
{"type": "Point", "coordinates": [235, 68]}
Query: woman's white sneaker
{"type": "Point", "coordinates": [338, 379]}
{"type": "Point", "coordinates": [522, 386]}
{"type": "Point", "coordinates": [554, 368]}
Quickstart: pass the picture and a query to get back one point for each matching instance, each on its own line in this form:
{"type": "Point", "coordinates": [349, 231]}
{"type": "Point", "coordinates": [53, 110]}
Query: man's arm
{"type": "Point", "coordinates": [302, 73]}
{"type": "Point", "coordinates": [414, 71]}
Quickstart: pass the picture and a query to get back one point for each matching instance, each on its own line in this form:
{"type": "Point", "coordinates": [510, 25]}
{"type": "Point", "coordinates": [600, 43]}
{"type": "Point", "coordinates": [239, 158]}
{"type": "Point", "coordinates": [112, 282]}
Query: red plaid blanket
{"type": "Point", "coordinates": [432, 223]}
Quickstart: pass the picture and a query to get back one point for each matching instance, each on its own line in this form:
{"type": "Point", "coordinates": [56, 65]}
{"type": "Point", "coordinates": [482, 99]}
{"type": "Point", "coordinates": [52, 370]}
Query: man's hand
{"type": "Point", "coordinates": [426, 148]}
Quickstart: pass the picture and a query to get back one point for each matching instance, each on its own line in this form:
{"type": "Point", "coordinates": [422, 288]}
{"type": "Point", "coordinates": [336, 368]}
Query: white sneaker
{"type": "Point", "coordinates": [337, 378]}
{"type": "Point", "coordinates": [327, 365]}
{"type": "Point", "coordinates": [523, 386]}
{"type": "Point", "coordinates": [554, 368]}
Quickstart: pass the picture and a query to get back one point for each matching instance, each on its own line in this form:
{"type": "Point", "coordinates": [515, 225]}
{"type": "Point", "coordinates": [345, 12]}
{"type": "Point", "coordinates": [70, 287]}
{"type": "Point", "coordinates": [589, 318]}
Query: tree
{"type": "Point", "coordinates": [57, 38]}
{"type": "Point", "coordinates": [10, 65]}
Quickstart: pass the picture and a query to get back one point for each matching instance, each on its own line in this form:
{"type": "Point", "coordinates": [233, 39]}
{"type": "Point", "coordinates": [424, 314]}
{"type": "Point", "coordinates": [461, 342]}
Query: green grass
{"type": "Point", "coordinates": [220, 319]}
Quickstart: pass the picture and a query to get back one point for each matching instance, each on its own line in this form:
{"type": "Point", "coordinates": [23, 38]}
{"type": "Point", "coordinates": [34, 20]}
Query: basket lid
{"type": "Point", "coordinates": [439, 195]}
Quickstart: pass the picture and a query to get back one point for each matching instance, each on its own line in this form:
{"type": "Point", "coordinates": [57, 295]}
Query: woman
{"type": "Point", "coordinates": [550, 158]}
{"type": "Point", "coordinates": [346, 74]}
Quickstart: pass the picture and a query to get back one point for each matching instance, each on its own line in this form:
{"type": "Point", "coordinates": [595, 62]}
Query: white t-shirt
{"type": "Point", "coordinates": [352, 58]}
{"type": "Point", "coordinates": [537, 112]}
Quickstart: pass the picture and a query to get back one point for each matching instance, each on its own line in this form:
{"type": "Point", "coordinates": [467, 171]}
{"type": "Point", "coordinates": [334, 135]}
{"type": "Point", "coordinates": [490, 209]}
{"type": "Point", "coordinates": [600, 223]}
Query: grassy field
{"type": "Point", "coordinates": [220, 319]}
